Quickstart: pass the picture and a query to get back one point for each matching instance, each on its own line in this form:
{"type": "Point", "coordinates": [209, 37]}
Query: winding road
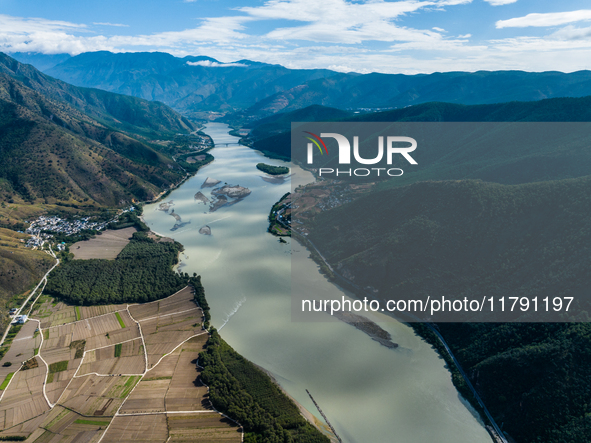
{"type": "Point", "coordinates": [42, 282]}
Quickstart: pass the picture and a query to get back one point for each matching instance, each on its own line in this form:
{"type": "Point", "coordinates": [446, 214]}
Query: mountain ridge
{"type": "Point", "coordinates": [54, 152]}
{"type": "Point", "coordinates": [118, 110]}
{"type": "Point", "coordinates": [261, 89]}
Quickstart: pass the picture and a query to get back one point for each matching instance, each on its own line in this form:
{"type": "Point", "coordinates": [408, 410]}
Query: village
{"type": "Point", "coordinates": [44, 228]}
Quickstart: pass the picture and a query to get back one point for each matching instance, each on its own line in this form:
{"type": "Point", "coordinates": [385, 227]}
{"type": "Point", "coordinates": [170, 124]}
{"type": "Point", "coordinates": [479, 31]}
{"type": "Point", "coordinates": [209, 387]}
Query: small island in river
{"type": "Point", "coordinates": [227, 195]}
{"type": "Point", "coordinates": [272, 170]}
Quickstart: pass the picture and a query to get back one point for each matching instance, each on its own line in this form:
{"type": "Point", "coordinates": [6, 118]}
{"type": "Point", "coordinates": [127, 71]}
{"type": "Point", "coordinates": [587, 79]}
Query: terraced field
{"type": "Point", "coordinates": [119, 373]}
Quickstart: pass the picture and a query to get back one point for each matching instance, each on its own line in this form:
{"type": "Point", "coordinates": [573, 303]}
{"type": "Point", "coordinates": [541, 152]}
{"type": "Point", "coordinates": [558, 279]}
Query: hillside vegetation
{"type": "Point", "coordinates": [354, 91]}
{"type": "Point", "coordinates": [281, 122]}
{"type": "Point", "coordinates": [51, 152]}
{"type": "Point", "coordinates": [172, 80]}
{"type": "Point", "coordinates": [467, 238]}
{"type": "Point", "coordinates": [459, 238]}
{"type": "Point", "coordinates": [118, 111]}
{"type": "Point", "coordinates": [463, 151]}
{"type": "Point", "coordinates": [20, 270]}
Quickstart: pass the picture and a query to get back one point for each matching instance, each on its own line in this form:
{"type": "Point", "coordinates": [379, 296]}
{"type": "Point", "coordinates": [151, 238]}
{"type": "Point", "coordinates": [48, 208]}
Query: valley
{"type": "Point", "coordinates": [185, 166]}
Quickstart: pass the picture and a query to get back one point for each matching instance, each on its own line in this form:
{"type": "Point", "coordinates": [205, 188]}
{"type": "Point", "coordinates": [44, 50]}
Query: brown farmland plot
{"type": "Point", "coordinates": [93, 395]}
{"type": "Point", "coordinates": [23, 398]}
{"type": "Point", "coordinates": [204, 427]}
{"type": "Point", "coordinates": [148, 396]}
{"type": "Point", "coordinates": [186, 392]}
{"type": "Point", "coordinates": [26, 428]}
{"type": "Point", "coordinates": [107, 246]}
{"type": "Point", "coordinates": [64, 425]}
{"type": "Point", "coordinates": [95, 311]}
{"type": "Point", "coordinates": [103, 361]}
{"type": "Point", "coordinates": [133, 429]}
{"type": "Point", "coordinates": [80, 342]}
{"type": "Point", "coordinates": [22, 348]}
{"type": "Point", "coordinates": [181, 301]}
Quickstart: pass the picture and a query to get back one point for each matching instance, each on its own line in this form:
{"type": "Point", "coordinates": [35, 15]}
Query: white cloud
{"type": "Point", "coordinates": [340, 21]}
{"type": "Point", "coordinates": [500, 2]}
{"type": "Point", "coordinates": [546, 19]}
{"type": "Point", "coordinates": [210, 64]}
{"type": "Point", "coordinates": [342, 35]}
{"type": "Point", "coordinates": [117, 25]}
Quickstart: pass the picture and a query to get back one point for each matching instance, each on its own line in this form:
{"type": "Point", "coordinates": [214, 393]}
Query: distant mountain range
{"type": "Point", "coordinates": [63, 143]}
{"type": "Point", "coordinates": [346, 91]}
{"type": "Point", "coordinates": [193, 85]}
{"type": "Point", "coordinates": [189, 84]}
{"type": "Point", "coordinates": [523, 159]}
{"type": "Point", "coordinates": [40, 61]}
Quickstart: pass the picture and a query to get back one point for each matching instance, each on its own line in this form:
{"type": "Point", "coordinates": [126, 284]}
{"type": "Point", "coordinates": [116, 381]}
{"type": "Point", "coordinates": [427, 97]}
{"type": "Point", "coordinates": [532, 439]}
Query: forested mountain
{"type": "Point", "coordinates": [281, 122]}
{"type": "Point", "coordinates": [346, 91]}
{"type": "Point", "coordinates": [472, 238]}
{"type": "Point", "coordinates": [52, 152]}
{"type": "Point", "coordinates": [523, 231]}
{"type": "Point", "coordinates": [519, 161]}
{"type": "Point", "coordinates": [182, 83]}
{"type": "Point", "coordinates": [116, 110]}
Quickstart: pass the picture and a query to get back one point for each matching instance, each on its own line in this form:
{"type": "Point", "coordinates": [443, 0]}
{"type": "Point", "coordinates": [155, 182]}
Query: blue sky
{"type": "Point", "coordinates": [409, 36]}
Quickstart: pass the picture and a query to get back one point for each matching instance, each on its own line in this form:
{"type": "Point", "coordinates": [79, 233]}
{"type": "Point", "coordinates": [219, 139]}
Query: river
{"type": "Point", "coordinates": [370, 394]}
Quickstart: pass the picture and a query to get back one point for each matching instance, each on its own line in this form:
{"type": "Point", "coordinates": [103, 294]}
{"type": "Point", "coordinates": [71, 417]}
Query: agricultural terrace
{"type": "Point", "coordinates": [106, 245]}
{"type": "Point", "coordinates": [112, 373]}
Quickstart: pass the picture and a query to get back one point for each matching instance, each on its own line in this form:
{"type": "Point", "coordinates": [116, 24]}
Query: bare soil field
{"type": "Point", "coordinates": [23, 398]}
{"type": "Point", "coordinates": [107, 246]}
{"type": "Point", "coordinates": [186, 392]}
{"type": "Point", "coordinates": [26, 428]}
{"type": "Point", "coordinates": [95, 311]}
{"type": "Point", "coordinates": [208, 427]}
{"type": "Point", "coordinates": [181, 301]}
{"type": "Point", "coordinates": [125, 358]}
{"type": "Point", "coordinates": [22, 348]}
{"type": "Point", "coordinates": [63, 425]}
{"type": "Point", "coordinates": [173, 384]}
{"type": "Point", "coordinates": [133, 429]}
{"type": "Point", "coordinates": [97, 396]}
{"type": "Point", "coordinates": [91, 361]}
{"type": "Point", "coordinates": [148, 396]}
{"type": "Point", "coordinates": [52, 313]}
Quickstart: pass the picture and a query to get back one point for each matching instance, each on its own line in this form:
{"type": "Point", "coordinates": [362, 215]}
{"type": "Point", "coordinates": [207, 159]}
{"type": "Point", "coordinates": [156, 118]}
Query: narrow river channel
{"type": "Point", "coordinates": [370, 394]}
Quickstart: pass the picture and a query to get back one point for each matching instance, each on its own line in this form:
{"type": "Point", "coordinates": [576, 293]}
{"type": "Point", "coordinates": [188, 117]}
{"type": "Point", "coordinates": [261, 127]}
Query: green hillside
{"type": "Point", "coordinates": [52, 152]}
{"type": "Point", "coordinates": [459, 238]}
{"type": "Point", "coordinates": [119, 111]}
{"type": "Point", "coordinates": [20, 271]}
{"type": "Point", "coordinates": [533, 377]}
